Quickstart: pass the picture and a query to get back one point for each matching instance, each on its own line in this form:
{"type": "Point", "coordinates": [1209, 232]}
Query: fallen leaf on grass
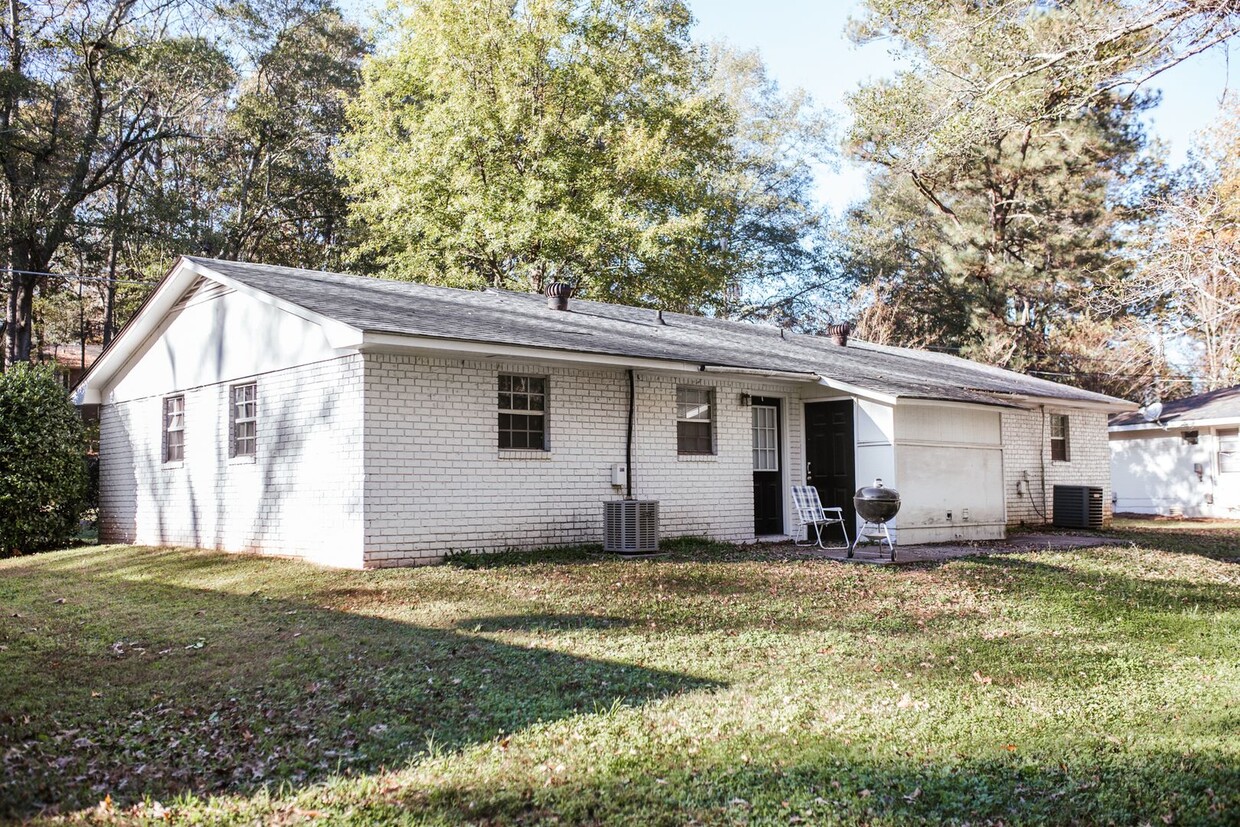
{"type": "Point", "coordinates": [982, 679]}
{"type": "Point", "coordinates": [297, 811]}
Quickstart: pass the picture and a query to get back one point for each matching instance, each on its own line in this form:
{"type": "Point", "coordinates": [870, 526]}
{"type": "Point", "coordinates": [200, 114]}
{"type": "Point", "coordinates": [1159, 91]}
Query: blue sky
{"type": "Point", "coordinates": [803, 45]}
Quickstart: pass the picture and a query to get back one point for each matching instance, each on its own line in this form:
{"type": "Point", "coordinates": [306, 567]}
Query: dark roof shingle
{"type": "Point", "coordinates": [503, 317]}
{"type": "Point", "coordinates": [1219, 404]}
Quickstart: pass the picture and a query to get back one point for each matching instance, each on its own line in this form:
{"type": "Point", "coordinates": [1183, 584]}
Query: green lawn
{"type": "Point", "coordinates": [715, 685]}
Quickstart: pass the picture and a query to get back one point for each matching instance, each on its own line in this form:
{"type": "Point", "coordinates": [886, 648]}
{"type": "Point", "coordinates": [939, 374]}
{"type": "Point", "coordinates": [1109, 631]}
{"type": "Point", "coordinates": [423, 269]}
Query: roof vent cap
{"type": "Point", "coordinates": [839, 333]}
{"type": "Point", "coordinates": [558, 293]}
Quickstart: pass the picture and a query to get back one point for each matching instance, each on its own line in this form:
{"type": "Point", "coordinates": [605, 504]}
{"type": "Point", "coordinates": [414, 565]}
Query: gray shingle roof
{"type": "Point", "coordinates": [1220, 404]}
{"type": "Point", "coordinates": [502, 317]}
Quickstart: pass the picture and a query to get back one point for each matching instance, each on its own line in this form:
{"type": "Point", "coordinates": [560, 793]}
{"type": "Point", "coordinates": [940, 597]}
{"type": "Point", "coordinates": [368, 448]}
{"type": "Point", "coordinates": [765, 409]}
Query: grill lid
{"type": "Point", "coordinates": [876, 503]}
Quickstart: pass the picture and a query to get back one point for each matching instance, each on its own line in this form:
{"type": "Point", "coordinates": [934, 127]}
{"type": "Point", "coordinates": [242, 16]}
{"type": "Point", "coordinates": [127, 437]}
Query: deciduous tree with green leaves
{"type": "Point", "coordinates": [85, 88]}
{"type": "Point", "coordinates": [782, 238]}
{"type": "Point", "coordinates": [511, 143]}
{"type": "Point", "coordinates": [282, 202]}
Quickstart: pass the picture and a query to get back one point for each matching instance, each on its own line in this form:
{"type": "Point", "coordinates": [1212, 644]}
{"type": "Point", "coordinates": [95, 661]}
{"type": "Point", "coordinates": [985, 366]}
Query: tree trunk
{"type": "Point", "coordinates": [109, 296]}
{"type": "Point", "coordinates": [21, 305]}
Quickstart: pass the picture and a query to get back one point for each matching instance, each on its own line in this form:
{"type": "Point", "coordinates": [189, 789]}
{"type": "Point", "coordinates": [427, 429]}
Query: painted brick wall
{"type": "Point", "coordinates": [300, 496]}
{"type": "Point", "coordinates": [1026, 443]}
{"type": "Point", "coordinates": [708, 495]}
{"type": "Point", "coordinates": [436, 480]}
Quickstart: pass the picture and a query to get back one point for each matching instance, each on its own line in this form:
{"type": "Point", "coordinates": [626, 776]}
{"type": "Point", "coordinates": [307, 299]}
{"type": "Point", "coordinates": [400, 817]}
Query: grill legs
{"type": "Point", "coordinates": [874, 533]}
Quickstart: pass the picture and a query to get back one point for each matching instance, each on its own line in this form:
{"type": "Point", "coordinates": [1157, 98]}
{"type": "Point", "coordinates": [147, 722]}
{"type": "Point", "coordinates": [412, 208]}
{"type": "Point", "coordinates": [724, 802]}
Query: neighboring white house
{"type": "Point", "coordinates": [364, 422]}
{"type": "Point", "coordinates": [1185, 462]}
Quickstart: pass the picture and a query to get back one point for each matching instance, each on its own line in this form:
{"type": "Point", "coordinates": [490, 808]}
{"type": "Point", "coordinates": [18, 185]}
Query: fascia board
{"type": "Point", "coordinates": [764, 373]}
{"type": "Point", "coordinates": [388, 342]}
{"type": "Point", "coordinates": [1118, 406]}
{"type": "Point", "coordinates": [909, 401]}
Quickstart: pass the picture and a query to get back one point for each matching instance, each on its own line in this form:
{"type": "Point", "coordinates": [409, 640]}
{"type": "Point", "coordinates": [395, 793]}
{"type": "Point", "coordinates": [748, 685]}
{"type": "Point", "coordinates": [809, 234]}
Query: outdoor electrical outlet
{"type": "Point", "coordinates": [964, 514]}
{"type": "Point", "coordinates": [949, 516]}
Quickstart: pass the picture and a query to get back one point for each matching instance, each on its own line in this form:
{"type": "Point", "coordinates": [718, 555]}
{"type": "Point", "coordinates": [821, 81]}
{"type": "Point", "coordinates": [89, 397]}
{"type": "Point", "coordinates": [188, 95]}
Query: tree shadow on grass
{"type": "Point", "coordinates": [133, 687]}
{"type": "Point", "coordinates": [674, 549]}
{"type": "Point", "coordinates": [838, 784]}
{"type": "Point", "coordinates": [1103, 595]}
{"type": "Point", "coordinates": [1078, 616]}
{"type": "Point", "coordinates": [1213, 542]}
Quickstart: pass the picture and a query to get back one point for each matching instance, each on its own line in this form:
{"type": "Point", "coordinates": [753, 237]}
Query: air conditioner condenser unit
{"type": "Point", "coordinates": [631, 526]}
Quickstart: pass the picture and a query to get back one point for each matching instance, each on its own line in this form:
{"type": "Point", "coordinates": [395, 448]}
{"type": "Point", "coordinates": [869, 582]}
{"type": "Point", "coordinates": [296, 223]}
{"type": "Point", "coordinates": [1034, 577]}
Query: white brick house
{"type": "Point", "coordinates": [360, 422]}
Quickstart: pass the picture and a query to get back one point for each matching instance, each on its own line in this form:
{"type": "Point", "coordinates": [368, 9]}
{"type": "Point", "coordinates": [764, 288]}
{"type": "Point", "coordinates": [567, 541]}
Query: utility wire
{"type": "Point", "coordinates": [76, 277]}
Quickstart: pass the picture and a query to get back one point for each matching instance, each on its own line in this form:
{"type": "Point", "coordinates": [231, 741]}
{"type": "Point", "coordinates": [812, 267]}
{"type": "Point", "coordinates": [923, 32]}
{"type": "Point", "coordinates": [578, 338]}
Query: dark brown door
{"type": "Point", "coordinates": [830, 458]}
{"type": "Point", "coordinates": [768, 497]}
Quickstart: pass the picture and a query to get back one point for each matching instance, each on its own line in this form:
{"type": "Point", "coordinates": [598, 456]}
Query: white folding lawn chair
{"type": "Point", "coordinates": [811, 515]}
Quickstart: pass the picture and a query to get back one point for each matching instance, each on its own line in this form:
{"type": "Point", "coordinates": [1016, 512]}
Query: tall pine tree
{"type": "Point", "coordinates": [987, 234]}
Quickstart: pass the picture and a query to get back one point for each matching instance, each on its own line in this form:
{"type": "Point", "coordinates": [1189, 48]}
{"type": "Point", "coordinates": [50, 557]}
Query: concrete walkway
{"type": "Point", "coordinates": [947, 551]}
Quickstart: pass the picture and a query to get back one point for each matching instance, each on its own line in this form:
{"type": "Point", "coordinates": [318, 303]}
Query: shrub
{"type": "Point", "coordinates": [42, 462]}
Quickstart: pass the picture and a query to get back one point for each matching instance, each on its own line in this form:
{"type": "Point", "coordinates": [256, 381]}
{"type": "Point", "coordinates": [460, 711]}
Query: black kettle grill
{"type": "Point", "coordinates": [876, 505]}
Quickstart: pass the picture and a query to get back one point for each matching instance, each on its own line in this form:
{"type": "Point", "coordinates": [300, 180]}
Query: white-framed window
{"type": "Point", "coordinates": [765, 438]}
{"type": "Point", "coordinates": [1061, 449]}
{"type": "Point", "coordinates": [243, 424]}
{"type": "Point", "coordinates": [1229, 451]}
{"type": "Point", "coordinates": [694, 420]}
{"type": "Point", "coordinates": [174, 428]}
{"type": "Point", "coordinates": [522, 412]}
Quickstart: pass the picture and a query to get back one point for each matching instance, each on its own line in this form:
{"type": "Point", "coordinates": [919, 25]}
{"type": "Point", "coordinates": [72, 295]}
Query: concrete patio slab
{"type": "Point", "coordinates": [871, 555]}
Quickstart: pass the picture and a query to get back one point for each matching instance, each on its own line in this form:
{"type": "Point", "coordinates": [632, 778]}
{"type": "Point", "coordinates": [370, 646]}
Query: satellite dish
{"type": "Point", "coordinates": [1152, 411]}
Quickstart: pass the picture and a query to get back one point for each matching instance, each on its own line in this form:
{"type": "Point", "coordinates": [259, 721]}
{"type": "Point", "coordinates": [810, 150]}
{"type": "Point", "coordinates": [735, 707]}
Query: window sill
{"type": "Point", "coordinates": [524, 453]}
{"type": "Point", "coordinates": [172, 466]}
{"type": "Point", "coordinates": [697, 457]}
{"type": "Point", "coordinates": [245, 459]}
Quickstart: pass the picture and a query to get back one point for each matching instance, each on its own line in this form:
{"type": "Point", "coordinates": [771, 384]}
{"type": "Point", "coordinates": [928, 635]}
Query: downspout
{"type": "Point", "coordinates": [628, 442]}
{"type": "Point", "coordinates": [1045, 515]}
